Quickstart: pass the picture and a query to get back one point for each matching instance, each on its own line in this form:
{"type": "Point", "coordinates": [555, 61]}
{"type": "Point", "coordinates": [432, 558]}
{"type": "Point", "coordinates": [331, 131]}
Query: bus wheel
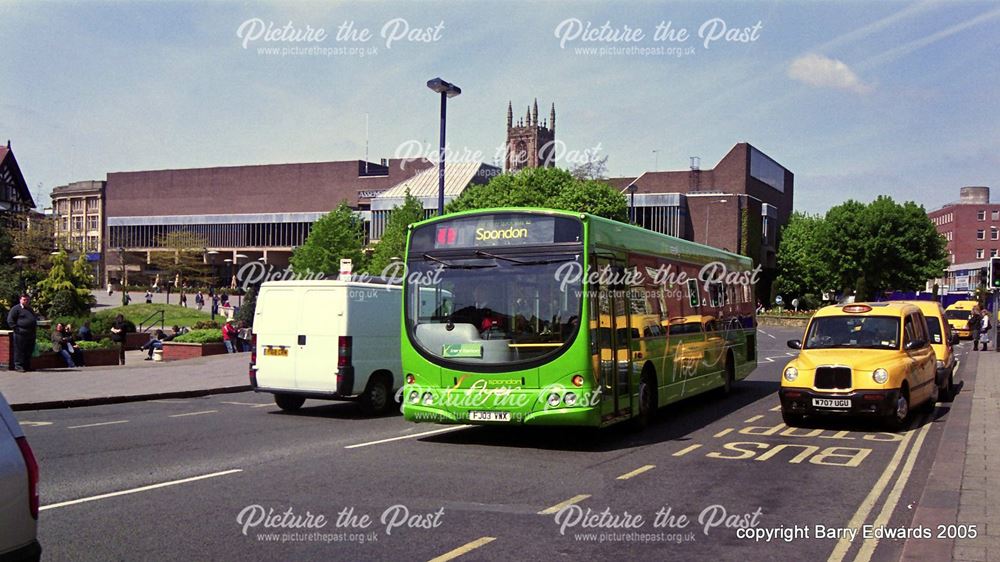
{"type": "Point", "coordinates": [288, 402]}
{"type": "Point", "coordinates": [647, 400]}
{"type": "Point", "coordinates": [730, 375]}
{"type": "Point", "coordinates": [377, 397]}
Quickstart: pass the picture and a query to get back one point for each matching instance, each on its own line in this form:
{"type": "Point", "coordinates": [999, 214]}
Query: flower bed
{"type": "Point", "coordinates": [91, 358]}
{"type": "Point", "coordinates": [175, 351]}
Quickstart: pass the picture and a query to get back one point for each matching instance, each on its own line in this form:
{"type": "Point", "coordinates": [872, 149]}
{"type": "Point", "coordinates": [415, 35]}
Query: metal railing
{"type": "Point", "coordinates": [155, 313]}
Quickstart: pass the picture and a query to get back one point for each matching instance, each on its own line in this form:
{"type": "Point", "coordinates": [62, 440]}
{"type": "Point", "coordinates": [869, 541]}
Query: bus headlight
{"type": "Point", "coordinates": [570, 399]}
{"type": "Point", "coordinates": [880, 376]}
{"type": "Point", "coordinates": [410, 378]}
{"type": "Point", "coordinates": [428, 399]}
{"type": "Point", "coordinates": [554, 400]}
{"type": "Point", "coordinates": [414, 396]}
{"type": "Point", "coordinates": [578, 380]}
{"type": "Point", "coordinates": [791, 374]}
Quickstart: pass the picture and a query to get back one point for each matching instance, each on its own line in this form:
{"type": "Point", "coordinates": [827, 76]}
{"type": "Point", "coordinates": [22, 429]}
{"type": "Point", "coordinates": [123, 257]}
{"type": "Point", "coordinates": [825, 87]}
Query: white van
{"type": "Point", "coordinates": [327, 339]}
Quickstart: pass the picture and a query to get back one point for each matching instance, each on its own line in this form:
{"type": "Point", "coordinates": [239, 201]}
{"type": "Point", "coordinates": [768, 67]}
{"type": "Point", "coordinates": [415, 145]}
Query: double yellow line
{"type": "Point", "coordinates": [843, 546]}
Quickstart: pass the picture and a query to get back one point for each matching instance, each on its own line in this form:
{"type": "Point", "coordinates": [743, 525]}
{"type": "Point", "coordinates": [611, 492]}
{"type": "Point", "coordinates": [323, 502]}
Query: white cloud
{"type": "Point", "coordinates": [823, 72]}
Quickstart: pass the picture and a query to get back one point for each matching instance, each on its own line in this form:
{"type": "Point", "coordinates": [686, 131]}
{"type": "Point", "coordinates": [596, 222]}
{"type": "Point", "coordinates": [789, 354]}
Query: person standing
{"type": "Point", "coordinates": [199, 300]}
{"type": "Point", "coordinates": [974, 322]}
{"type": "Point", "coordinates": [111, 290]}
{"type": "Point", "coordinates": [118, 331]}
{"type": "Point", "coordinates": [229, 336]}
{"type": "Point", "coordinates": [984, 329]}
{"type": "Point", "coordinates": [24, 322]}
{"type": "Point", "coordinates": [184, 299]}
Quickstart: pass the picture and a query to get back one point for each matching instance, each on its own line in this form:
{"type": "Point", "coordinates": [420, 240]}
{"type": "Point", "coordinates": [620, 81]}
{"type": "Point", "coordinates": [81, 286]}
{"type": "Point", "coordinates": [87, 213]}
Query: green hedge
{"type": "Point", "coordinates": [207, 335]}
{"type": "Point", "coordinates": [105, 343]}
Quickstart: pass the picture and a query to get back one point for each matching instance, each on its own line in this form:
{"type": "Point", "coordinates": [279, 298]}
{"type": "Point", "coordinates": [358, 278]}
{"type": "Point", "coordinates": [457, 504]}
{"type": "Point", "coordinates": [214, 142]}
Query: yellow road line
{"type": "Point", "coordinates": [452, 554]}
{"type": "Point", "coordinates": [753, 419]}
{"type": "Point", "coordinates": [686, 450]}
{"type": "Point", "coordinates": [723, 432]}
{"type": "Point", "coordinates": [636, 472]}
{"type": "Point", "coordinates": [776, 408]}
{"type": "Point", "coordinates": [560, 505]}
{"type": "Point", "coordinates": [868, 547]}
{"type": "Point", "coordinates": [861, 515]}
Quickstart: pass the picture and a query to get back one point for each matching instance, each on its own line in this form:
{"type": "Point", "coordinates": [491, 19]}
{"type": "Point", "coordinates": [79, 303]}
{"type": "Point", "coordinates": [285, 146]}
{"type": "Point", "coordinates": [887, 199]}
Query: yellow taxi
{"type": "Point", "coordinates": [872, 359]}
{"type": "Point", "coordinates": [943, 340]}
{"type": "Point", "coordinates": [958, 317]}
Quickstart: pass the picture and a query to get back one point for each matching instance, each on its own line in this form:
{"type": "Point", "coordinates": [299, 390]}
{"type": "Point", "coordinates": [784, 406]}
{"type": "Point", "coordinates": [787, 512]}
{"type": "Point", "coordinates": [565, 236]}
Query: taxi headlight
{"type": "Point", "coordinates": [791, 374]}
{"type": "Point", "coordinates": [880, 376]}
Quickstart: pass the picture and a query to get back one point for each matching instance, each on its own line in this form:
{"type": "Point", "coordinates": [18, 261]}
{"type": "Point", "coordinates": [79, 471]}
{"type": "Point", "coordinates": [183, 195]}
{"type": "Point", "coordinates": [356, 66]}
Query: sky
{"type": "Point", "coordinates": [858, 99]}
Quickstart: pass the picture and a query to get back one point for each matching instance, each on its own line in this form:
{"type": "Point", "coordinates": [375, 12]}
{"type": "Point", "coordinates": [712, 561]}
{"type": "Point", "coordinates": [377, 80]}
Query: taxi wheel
{"type": "Point", "coordinates": [948, 392]}
{"type": "Point", "coordinates": [288, 402]}
{"type": "Point", "coordinates": [792, 419]}
{"type": "Point", "coordinates": [896, 420]}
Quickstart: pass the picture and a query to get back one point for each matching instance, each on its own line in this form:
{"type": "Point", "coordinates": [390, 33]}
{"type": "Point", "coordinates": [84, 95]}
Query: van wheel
{"type": "Point", "coordinates": [792, 419]}
{"type": "Point", "coordinates": [896, 419]}
{"type": "Point", "coordinates": [377, 397]}
{"type": "Point", "coordinates": [289, 403]}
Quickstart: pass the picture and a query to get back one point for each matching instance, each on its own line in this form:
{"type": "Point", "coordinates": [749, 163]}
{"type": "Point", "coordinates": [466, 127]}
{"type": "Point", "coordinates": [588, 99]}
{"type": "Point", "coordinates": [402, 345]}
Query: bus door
{"type": "Point", "coordinates": [613, 343]}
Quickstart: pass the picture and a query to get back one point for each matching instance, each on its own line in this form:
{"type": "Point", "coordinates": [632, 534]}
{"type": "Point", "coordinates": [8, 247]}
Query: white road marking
{"type": "Point", "coordinates": [97, 424]}
{"type": "Point", "coordinates": [380, 441]}
{"type": "Point", "coordinates": [34, 423]}
{"type": "Point", "coordinates": [769, 360]}
{"type": "Point", "coordinates": [170, 401]}
{"type": "Point", "coordinates": [142, 489]}
{"type": "Point", "coordinates": [251, 404]}
{"type": "Point", "coordinates": [193, 414]}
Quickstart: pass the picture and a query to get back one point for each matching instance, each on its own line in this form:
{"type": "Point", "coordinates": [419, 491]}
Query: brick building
{"type": "Point", "coordinates": [739, 205]}
{"type": "Point", "coordinates": [245, 213]}
{"type": "Point", "coordinates": [15, 198]}
{"type": "Point", "coordinates": [971, 226]}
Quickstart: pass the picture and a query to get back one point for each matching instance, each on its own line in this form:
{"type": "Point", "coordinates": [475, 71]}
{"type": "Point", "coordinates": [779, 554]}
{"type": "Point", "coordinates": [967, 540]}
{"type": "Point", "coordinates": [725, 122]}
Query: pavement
{"type": "Point", "coordinates": [136, 380]}
{"type": "Point", "coordinates": [139, 297]}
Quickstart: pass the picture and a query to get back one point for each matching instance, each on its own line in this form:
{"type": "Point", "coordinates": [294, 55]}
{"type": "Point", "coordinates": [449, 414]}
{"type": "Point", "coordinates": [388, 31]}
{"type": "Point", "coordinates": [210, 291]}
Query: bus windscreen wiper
{"type": "Point", "coordinates": [454, 266]}
{"type": "Point", "coordinates": [524, 262]}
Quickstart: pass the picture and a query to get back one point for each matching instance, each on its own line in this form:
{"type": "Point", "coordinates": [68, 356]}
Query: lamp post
{"type": "Point", "coordinates": [239, 292]}
{"type": "Point", "coordinates": [632, 188]}
{"type": "Point", "coordinates": [447, 90]}
{"type": "Point", "coordinates": [20, 272]}
{"type": "Point", "coordinates": [708, 208]}
{"type": "Point", "coordinates": [124, 276]}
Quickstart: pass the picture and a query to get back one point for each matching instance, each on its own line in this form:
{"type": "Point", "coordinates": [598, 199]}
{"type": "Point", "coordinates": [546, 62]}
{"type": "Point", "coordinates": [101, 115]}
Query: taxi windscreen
{"type": "Point", "coordinates": [957, 314]}
{"type": "Point", "coordinates": [863, 332]}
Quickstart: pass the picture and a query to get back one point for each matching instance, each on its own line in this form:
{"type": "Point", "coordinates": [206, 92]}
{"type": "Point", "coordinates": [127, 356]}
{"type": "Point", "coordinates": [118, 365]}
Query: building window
{"type": "Point", "coordinates": [78, 205]}
{"type": "Point", "coordinates": [993, 252]}
{"type": "Point", "coordinates": [92, 224]}
{"type": "Point", "coordinates": [92, 204]}
{"type": "Point", "coordinates": [980, 254]}
{"type": "Point", "coordinates": [980, 234]}
{"type": "Point", "coordinates": [77, 224]}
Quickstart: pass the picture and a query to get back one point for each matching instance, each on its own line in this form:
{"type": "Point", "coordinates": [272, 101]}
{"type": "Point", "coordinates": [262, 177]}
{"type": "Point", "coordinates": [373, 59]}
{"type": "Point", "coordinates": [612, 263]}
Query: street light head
{"type": "Point", "coordinates": [21, 257]}
{"type": "Point", "coordinates": [447, 88]}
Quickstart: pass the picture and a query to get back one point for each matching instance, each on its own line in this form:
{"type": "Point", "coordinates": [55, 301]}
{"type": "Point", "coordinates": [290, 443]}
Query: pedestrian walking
{"type": "Point", "coordinates": [199, 300]}
{"type": "Point", "coordinates": [111, 290]}
{"type": "Point", "coordinates": [974, 323]}
{"type": "Point", "coordinates": [24, 322]}
{"type": "Point", "coordinates": [118, 330]}
{"type": "Point", "coordinates": [184, 299]}
{"type": "Point", "coordinates": [984, 329]}
{"type": "Point", "coordinates": [229, 336]}
{"type": "Point", "coordinates": [149, 297]}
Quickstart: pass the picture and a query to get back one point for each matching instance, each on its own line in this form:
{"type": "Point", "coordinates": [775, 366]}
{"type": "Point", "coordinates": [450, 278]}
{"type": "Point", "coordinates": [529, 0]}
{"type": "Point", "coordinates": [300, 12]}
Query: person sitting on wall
{"type": "Point", "coordinates": [155, 342]}
{"type": "Point", "coordinates": [61, 345]}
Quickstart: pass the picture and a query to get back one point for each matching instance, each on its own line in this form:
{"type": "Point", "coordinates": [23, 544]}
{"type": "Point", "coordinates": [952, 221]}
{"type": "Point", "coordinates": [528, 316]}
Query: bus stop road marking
{"type": "Point", "coordinates": [194, 413]}
{"type": "Point", "coordinates": [686, 450]}
{"type": "Point", "coordinates": [141, 489]}
{"type": "Point", "coordinates": [391, 439]}
{"type": "Point", "coordinates": [467, 547]}
{"type": "Point", "coordinates": [560, 505]}
{"type": "Point", "coordinates": [97, 424]}
{"type": "Point", "coordinates": [636, 472]}
{"type": "Point", "coordinates": [754, 418]}
{"type": "Point", "coordinates": [723, 432]}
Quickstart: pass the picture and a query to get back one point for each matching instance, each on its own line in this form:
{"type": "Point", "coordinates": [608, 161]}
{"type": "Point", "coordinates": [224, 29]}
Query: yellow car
{"type": "Point", "coordinates": [958, 317]}
{"type": "Point", "coordinates": [872, 359]}
{"type": "Point", "coordinates": [943, 340]}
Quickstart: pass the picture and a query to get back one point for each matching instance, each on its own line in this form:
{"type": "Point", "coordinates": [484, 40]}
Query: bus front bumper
{"type": "Point", "coordinates": [577, 416]}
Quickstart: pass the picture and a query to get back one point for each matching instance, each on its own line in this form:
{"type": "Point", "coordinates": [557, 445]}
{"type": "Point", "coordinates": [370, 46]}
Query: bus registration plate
{"type": "Point", "coordinates": [832, 402]}
{"type": "Point", "coordinates": [489, 416]}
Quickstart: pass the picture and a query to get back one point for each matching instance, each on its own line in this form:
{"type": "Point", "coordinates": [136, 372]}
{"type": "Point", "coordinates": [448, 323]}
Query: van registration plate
{"type": "Point", "coordinates": [276, 351]}
{"type": "Point", "coordinates": [489, 416]}
{"type": "Point", "coordinates": [832, 402]}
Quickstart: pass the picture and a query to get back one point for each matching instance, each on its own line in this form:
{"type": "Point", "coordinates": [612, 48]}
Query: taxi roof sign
{"type": "Point", "coordinates": [857, 308]}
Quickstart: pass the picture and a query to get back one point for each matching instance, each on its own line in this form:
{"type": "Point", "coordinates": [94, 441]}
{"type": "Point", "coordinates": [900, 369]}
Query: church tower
{"type": "Point", "coordinates": [530, 143]}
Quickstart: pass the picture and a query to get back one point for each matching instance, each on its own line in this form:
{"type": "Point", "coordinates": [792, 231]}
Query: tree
{"type": "Point", "coordinates": [338, 235]}
{"type": "Point", "coordinates": [61, 287]}
{"type": "Point", "coordinates": [247, 308]}
{"type": "Point", "coordinates": [181, 257]}
{"type": "Point", "coordinates": [393, 242]}
{"type": "Point", "coordinates": [544, 187]}
{"type": "Point", "coordinates": [861, 249]}
{"type": "Point", "coordinates": [592, 169]}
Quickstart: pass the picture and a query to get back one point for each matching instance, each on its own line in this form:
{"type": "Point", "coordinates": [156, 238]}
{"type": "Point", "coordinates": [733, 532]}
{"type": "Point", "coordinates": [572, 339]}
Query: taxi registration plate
{"type": "Point", "coordinates": [831, 402]}
{"type": "Point", "coordinates": [489, 416]}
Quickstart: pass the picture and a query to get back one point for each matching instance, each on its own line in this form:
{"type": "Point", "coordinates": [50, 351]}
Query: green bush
{"type": "Point", "coordinates": [105, 343]}
{"type": "Point", "coordinates": [207, 324]}
{"type": "Point", "coordinates": [209, 335]}
{"type": "Point", "coordinates": [66, 303]}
